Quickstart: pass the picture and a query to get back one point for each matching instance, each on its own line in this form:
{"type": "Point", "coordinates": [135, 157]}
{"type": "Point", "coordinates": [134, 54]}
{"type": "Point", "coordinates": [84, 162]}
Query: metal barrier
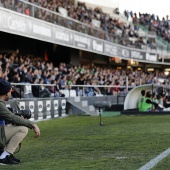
{"type": "Point", "coordinates": [49, 108]}
{"type": "Point", "coordinates": [73, 90]}
{"type": "Point", "coordinates": [40, 108]}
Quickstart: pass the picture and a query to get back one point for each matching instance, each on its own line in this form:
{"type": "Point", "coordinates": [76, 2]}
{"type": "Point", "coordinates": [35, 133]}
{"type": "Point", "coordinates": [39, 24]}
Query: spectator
{"type": "Point", "coordinates": [58, 92]}
{"type": "Point", "coordinates": [18, 90]}
{"type": "Point", "coordinates": [30, 74]}
{"type": "Point", "coordinates": [40, 91]}
{"type": "Point", "coordinates": [52, 89]}
{"type": "Point", "coordinates": [63, 82]}
{"type": "Point", "coordinates": [88, 91]}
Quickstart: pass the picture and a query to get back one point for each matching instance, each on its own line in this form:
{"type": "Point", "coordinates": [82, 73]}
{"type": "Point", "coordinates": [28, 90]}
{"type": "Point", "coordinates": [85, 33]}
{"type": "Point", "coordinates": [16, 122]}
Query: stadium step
{"type": "Point", "coordinates": [83, 106]}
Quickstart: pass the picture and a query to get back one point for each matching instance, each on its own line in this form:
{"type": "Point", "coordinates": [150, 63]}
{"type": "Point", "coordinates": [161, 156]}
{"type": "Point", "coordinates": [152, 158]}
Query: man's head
{"type": "Point", "coordinates": [5, 89]}
{"type": "Point", "coordinates": [143, 92]}
{"type": "Point", "coordinates": [148, 94]}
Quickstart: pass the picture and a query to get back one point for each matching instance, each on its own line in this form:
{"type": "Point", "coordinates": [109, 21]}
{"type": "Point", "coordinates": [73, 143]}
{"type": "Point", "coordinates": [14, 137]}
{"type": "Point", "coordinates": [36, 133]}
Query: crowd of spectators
{"type": "Point", "coordinates": [18, 68]}
{"type": "Point", "coordinates": [111, 29]}
{"type": "Point", "coordinates": [154, 25]}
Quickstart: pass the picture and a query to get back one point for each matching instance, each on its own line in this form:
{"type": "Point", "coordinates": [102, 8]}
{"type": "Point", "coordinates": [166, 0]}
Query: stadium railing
{"type": "Point", "coordinates": [25, 90]}
{"type": "Point", "coordinates": [47, 108]}
{"type": "Point", "coordinates": [80, 90]}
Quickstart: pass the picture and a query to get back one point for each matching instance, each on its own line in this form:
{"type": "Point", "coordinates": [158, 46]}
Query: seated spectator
{"type": "Point", "coordinates": [18, 91]}
{"type": "Point", "coordinates": [166, 102]}
{"type": "Point", "coordinates": [41, 90]}
{"type": "Point", "coordinates": [88, 91]}
{"type": "Point", "coordinates": [55, 92]}
{"type": "Point", "coordinates": [96, 89]}
{"type": "Point", "coordinates": [114, 90]}
{"type": "Point", "coordinates": [52, 88]}
{"type": "Point", "coordinates": [122, 90]}
{"type": "Point", "coordinates": [158, 107]}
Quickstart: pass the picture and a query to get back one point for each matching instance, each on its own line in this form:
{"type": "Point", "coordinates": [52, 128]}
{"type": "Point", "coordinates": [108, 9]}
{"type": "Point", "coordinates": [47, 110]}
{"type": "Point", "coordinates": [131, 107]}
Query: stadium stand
{"type": "Point", "coordinates": [145, 31]}
{"type": "Point", "coordinates": [64, 76]}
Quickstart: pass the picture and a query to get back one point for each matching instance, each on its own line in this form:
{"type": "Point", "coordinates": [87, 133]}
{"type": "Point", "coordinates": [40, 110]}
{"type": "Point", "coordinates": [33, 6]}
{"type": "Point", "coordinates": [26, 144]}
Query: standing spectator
{"type": "Point", "coordinates": [63, 82]}
{"type": "Point", "coordinates": [52, 89]}
{"type": "Point", "coordinates": [80, 81]}
{"type": "Point", "coordinates": [58, 92]}
{"type": "Point", "coordinates": [29, 74]}
{"type": "Point", "coordinates": [35, 89]}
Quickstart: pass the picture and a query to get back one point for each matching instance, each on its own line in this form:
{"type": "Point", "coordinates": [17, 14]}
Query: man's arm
{"type": "Point", "coordinates": [36, 130]}
{"type": "Point", "coordinates": [7, 115]}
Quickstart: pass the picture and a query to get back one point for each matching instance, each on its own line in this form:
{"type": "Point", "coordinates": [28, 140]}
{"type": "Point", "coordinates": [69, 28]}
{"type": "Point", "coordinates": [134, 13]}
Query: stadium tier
{"type": "Point", "coordinates": [49, 23]}
{"type": "Point", "coordinates": [145, 32]}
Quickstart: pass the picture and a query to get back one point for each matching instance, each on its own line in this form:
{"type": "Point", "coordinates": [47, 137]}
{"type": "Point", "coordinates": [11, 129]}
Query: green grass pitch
{"type": "Point", "coordinates": [79, 143]}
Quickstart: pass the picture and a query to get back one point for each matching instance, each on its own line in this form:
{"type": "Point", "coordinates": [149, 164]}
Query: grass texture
{"type": "Point", "coordinates": [80, 143]}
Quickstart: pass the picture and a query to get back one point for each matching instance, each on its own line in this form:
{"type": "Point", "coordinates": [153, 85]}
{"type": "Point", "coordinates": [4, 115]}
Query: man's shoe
{"type": "Point", "coordinates": [8, 161]}
{"type": "Point", "coordinates": [14, 159]}
{"type": "Point", "coordinates": [1, 151]}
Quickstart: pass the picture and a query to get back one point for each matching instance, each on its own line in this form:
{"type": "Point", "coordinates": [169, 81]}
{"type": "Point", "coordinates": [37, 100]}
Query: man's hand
{"type": "Point", "coordinates": [36, 130]}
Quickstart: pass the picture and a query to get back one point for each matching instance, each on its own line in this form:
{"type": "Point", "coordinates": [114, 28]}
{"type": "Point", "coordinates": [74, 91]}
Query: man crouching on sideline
{"type": "Point", "coordinates": [11, 135]}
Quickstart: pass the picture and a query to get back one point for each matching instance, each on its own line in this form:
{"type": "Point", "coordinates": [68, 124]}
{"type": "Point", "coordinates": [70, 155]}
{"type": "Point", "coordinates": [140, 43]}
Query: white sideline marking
{"type": "Point", "coordinates": [156, 160]}
{"type": "Point", "coordinates": [121, 157]}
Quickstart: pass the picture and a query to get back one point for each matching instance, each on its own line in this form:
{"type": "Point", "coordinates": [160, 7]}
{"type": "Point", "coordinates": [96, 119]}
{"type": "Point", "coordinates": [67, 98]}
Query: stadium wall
{"type": "Point", "coordinates": [49, 108]}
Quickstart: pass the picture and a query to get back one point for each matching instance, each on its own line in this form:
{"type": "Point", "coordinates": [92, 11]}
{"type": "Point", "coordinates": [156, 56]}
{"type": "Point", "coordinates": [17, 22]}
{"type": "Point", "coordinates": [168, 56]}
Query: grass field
{"type": "Point", "coordinates": [79, 143]}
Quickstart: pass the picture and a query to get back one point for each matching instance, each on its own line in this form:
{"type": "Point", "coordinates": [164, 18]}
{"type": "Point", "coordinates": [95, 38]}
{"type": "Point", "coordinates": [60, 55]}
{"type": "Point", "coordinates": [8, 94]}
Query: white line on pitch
{"type": "Point", "coordinates": [155, 161]}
